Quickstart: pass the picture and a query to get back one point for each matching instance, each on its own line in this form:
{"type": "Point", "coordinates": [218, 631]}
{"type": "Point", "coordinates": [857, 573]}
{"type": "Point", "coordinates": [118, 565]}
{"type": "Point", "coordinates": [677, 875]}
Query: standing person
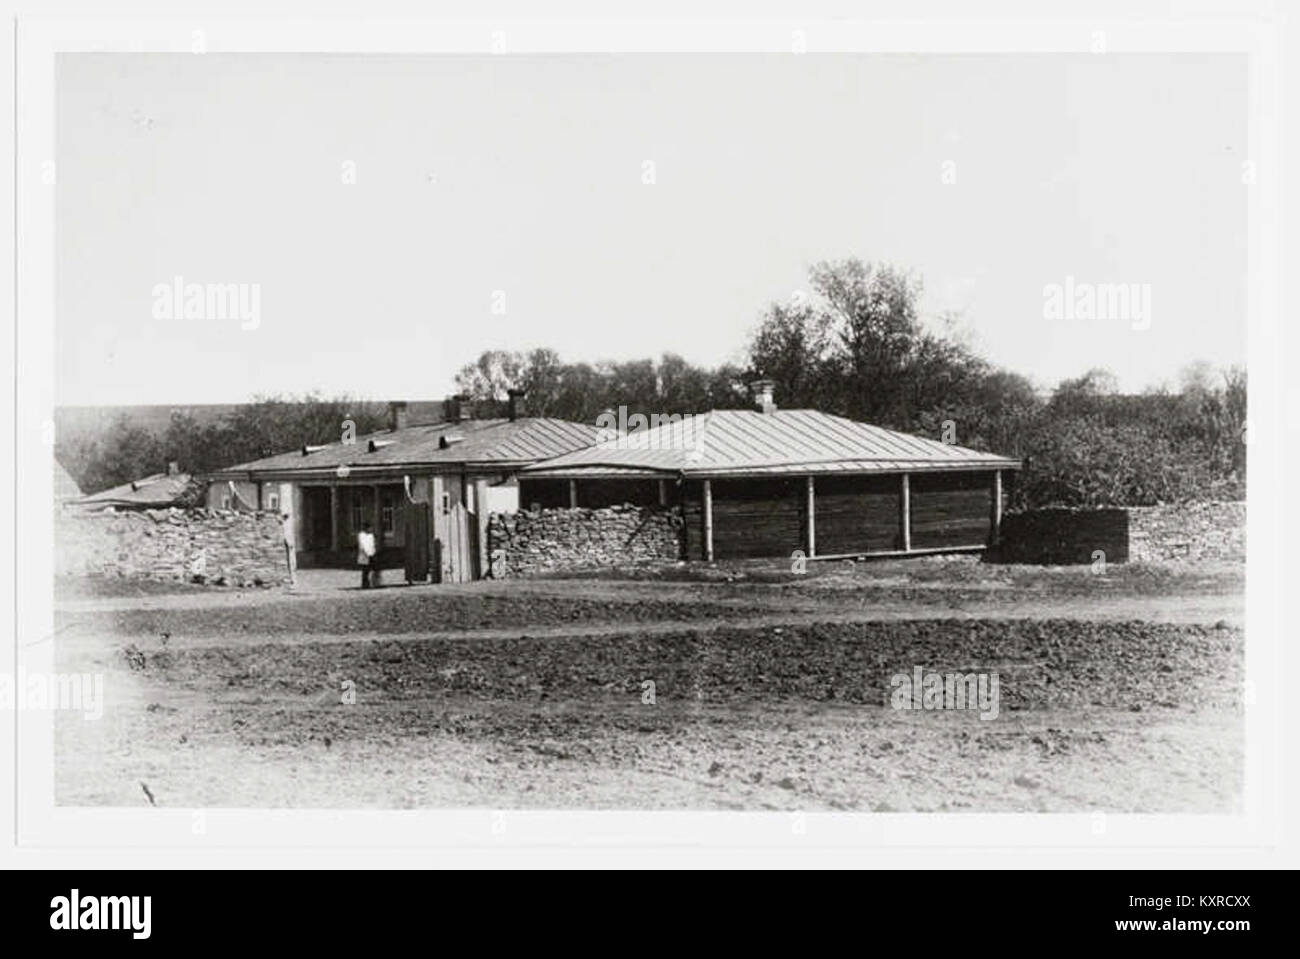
{"type": "Point", "coordinates": [290, 554]}
{"type": "Point", "coordinates": [365, 554]}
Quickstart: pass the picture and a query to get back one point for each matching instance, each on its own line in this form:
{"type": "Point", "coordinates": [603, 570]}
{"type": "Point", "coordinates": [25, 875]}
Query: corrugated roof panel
{"type": "Point", "coordinates": [606, 472]}
{"type": "Point", "coordinates": [472, 441]}
{"type": "Point", "coordinates": [741, 442]}
{"type": "Point", "coordinates": [748, 441]}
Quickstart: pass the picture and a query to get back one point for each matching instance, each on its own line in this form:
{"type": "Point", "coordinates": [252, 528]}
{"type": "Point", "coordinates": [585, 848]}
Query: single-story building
{"type": "Point", "coordinates": [426, 490]}
{"type": "Point", "coordinates": [767, 483]}
{"type": "Point", "coordinates": [172, 489]}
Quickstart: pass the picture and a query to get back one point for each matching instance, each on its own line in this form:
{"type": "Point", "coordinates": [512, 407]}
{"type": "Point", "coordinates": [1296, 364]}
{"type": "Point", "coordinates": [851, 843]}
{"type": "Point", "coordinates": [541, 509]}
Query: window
{"type": "Point", "coordinates": [446, 503]}
{"type": "Point", "coordinates": [273, 502]}
{"type": "Point", "coordinates": [357, 510]}
{"type": "Point", "coordinates": [386, 517]}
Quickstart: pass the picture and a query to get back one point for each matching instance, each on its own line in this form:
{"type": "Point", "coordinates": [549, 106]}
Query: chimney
{"type": "Point", "coordinates": [763, 390]}
{"type": "Point", "coordinates": [516, 402]}
{"type": "Point", "coordinates": [397, 417]}
{"type": "Point", "coordinates": [173, 468]}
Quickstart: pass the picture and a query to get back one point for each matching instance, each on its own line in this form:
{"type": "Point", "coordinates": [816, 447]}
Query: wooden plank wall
{"type": "Point", "coordinates": [751, 518]}
{"type": "Point", "coordinates": [855, 514]}
{"type": "Point", "coordinates": [858, 514]}
{"type": "Point", "coordinates": [950, 509]}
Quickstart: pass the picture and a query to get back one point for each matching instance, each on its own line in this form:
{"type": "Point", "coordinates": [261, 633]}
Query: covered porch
{"type": "Point", "coordinates": [332, 514]}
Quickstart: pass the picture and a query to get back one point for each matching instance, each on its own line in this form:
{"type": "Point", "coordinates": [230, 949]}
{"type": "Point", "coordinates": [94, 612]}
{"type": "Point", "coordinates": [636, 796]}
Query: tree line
{"type": "Point", "coordinates": [126, 451]}
{"type": "Point", "coordinates": [855, 345]}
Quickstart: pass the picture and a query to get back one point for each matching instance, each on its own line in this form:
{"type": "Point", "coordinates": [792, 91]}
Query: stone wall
{"type": "Point", "coordinates": [1181, 531]}
{"type": "Point", "coordinates": [216, 547]}
{"type": "Point", "coordinates": [553, 540]}
{"type": "Point", "coordinates": [1191, 531]}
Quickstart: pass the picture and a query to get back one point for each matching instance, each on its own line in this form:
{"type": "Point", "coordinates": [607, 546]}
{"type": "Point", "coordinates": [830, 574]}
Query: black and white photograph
{"type": "Point", "coordinates": [799, 434]}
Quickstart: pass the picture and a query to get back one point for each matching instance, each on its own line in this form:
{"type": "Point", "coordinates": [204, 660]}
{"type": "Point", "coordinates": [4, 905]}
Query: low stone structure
{"type": "Point", "coordinates": [217, 547]}
{"type": "Point", "coordinates": [1063, 536]}
{"type": "Point", "coordinates": [553, 540]}
{"type": "Point", "coordinates": [1195, 531]}
{"type": "Point", "coordinates": [1192, 532]}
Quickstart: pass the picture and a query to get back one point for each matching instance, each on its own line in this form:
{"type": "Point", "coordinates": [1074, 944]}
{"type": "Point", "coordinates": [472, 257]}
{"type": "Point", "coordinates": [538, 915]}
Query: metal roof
{"type": "Point", "coordinates": [750, 443]}
{"type": "Point", "coordinates": [595, 472]}
{"type": "Point", "coordinates": [480, 442]}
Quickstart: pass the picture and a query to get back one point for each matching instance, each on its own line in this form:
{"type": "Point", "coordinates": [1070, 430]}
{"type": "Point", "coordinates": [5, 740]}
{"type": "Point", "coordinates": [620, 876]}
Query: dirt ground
{"type": "Point", "coordinates": [744, 687]}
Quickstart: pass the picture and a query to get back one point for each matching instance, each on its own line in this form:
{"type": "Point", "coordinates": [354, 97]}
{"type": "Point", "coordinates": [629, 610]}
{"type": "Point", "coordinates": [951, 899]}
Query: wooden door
{"type": "Point", "coordinates": [456, 548]}
{"type": "Point", "coordinates": [317, 519]}
{"type": "Point", "coordinates": [415, 535]}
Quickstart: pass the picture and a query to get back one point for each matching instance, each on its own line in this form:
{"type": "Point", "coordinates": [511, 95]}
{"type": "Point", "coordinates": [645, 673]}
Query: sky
{"type": "Point", "coordinates": [397, 215]}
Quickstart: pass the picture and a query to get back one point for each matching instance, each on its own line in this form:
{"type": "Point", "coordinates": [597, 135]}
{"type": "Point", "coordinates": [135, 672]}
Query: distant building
{"type": "Point", "coordinates": [159, 491]}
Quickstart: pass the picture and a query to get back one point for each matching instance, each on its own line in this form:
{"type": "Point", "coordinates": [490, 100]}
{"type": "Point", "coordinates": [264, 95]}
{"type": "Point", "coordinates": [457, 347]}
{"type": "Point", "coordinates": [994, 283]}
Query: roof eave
{"type": "Point", "coordinates": [599, 471]}
{"type": "Point", "coordinates": [822, 469]}
{"type": "Point", "coordinates": [289, 473]}
{"type": "Point", "coordinates": [580, 471]}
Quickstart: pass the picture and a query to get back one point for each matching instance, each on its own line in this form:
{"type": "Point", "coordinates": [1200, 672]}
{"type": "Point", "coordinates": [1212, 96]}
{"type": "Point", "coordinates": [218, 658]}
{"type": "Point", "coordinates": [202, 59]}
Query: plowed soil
{"type": "Point", "coordinates": [608, 693]}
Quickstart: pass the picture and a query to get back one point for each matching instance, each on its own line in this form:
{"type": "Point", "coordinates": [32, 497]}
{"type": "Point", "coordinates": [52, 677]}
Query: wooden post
{"type": "Point", "coordinates": [438, 528]}
{"type": "Point", "coordinates": [663, 493]}
{"type": "Point", "coordinates": [573, 494]}
{"type": "Point", "coordinates": [708, 521]}
{"type": "Point", "coordinates": [379, 526]}
{"type": "Point", "coordinates": [334, 517]}
{"type": "Point", "coordinates": [812, 517]}
{"type": "Point", "coordinates": [995, 509]}
{"type": "Point", "coordinates": [905, 512]}
{"type": "Point", "coordinates": [481, 521]}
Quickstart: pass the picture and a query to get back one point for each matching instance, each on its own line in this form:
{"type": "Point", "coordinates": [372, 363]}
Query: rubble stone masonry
{"type": "Point", "coordinates": [1192, 532]}
{"type": "Point", "coordinates": [551, 540]}
{"type": "Point", "coordinates": [215, 547]}
{"type": "Point", "coordinates": [1195, 531]}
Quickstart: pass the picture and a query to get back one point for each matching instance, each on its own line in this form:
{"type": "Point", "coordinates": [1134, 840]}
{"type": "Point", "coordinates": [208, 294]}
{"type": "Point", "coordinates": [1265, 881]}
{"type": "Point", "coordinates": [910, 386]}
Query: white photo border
{"type": "Point", "coordinates": [47, 833]}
